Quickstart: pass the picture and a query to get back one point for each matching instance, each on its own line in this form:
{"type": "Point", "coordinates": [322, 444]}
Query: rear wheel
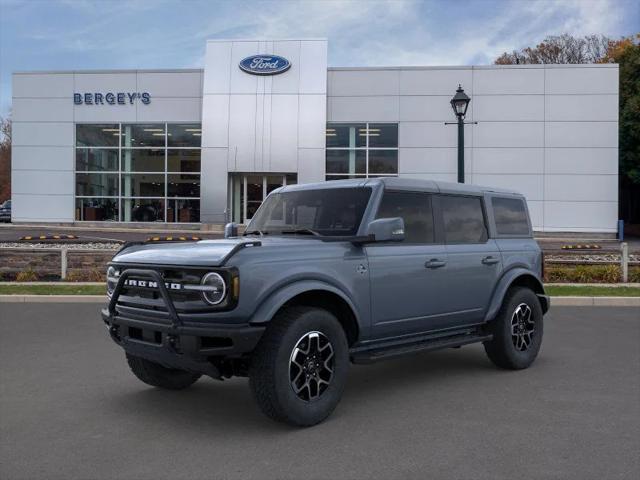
{"type": "Point", "coordinates": [299, 369]}
{"type": "Point", "coordinates": [517, 330]}
{"type": "Point", "coordinates": [156, 375]}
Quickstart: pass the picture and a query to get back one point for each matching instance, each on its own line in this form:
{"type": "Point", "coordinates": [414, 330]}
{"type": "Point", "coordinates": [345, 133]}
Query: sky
{"type": "Point", "coordinates": [109, 34]}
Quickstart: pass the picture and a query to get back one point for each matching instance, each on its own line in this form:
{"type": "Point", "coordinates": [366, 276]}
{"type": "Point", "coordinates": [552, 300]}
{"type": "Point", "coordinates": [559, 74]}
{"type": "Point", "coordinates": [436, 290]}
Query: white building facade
{"type": "Point", "coordinates": [190, 146]}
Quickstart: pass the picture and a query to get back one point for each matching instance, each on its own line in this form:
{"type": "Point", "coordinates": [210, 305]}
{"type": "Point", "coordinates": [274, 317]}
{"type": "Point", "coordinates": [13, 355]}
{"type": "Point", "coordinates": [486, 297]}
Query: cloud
{"type": "Point", "coordinates": [85, 34]}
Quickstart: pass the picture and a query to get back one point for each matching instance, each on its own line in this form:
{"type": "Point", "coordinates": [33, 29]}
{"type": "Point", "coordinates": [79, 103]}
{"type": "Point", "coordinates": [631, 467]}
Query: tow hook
{"type": "Point", "coordinates": [172, 340]}
{"type": "Point", "coordinates": [113, 331]}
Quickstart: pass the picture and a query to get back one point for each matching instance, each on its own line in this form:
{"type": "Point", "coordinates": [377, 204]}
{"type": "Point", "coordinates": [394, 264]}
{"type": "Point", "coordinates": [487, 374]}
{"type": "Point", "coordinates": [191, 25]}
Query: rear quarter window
{"type": "Point", "coordinates": [510, 215]}
{"type": "Point", "coordinates": [463, 219]}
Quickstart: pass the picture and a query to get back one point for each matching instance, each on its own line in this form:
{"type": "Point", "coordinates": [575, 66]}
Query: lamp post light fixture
{"type": "Point", "coordinates": [459, 104]}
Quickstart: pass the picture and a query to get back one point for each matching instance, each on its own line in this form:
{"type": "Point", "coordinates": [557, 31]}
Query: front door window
{"type": "Point", "coordinates": [247, 192]}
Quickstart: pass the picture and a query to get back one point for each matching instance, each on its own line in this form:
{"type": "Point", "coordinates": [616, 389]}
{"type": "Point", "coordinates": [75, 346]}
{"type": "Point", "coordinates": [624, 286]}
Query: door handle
{"type": "Point", "coordinates": [434, 263]}
{"type": "Point", "coordinates": [490, 260]}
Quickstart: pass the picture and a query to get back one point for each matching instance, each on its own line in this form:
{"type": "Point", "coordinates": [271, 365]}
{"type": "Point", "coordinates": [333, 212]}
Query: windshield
{"type": "Point", "coordinates": [327, 212]}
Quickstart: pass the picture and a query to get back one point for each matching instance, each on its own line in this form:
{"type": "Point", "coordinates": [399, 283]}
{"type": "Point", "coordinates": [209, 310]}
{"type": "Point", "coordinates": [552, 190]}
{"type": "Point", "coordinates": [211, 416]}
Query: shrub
{"type": "Point", "coordinates": [634, 274]}
{"type": "Point", "coordinates": [27, 275]}
{"type": "Point", "coordinates": [583, 273]}
{"type": "Point", "coordinates": [93, 275]}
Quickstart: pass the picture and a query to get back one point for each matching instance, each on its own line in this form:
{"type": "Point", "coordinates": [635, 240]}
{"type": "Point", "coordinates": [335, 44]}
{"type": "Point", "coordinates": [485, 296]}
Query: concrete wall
{"type": "Point", "coordinates": [256, 123]}
{"type": "Point", "coordinates": [44, 113]}
{"type": "Point", "coordinates": [550, 132]}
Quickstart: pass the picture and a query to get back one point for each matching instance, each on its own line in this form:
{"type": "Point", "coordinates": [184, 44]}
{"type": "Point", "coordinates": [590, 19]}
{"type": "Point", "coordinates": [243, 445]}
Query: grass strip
{"type": "Point", "coordinates": [589, 291]}
{"type": "Point", "coordinates": [52, 289]}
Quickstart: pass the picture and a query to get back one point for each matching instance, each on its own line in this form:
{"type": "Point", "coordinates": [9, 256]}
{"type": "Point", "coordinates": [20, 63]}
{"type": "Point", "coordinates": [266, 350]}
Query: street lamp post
{"type": "Point", "coordinates": [460, 103]}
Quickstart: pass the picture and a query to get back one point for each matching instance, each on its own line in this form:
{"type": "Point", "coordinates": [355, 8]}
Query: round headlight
{"type": "Point", "coordinates": [112, 279]}
{"type": "Point", "coordinates": [216, 288]}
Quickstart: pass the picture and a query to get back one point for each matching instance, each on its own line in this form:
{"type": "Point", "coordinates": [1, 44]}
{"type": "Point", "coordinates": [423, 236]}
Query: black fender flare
{"type": "Point", "coordinates": [508, 278]}
{"type": "Point", "coordinates": [270, 306]}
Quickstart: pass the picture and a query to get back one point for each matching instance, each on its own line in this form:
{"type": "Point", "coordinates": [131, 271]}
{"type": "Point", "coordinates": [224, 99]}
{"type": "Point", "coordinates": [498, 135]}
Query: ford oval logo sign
{"type": "Point", "coordinates": [265, 64]}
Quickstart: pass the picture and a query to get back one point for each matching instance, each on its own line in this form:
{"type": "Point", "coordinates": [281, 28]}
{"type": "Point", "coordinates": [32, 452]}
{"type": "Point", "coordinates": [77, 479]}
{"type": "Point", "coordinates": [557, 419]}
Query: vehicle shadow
{"type": "Point", "coordinates": [220, 408]}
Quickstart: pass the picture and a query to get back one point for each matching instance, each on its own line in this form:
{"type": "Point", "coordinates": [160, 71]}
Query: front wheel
{"type": "Point", "coordinates": [299, 369]}
{"type": "Point", "coordinates": [517, 330]}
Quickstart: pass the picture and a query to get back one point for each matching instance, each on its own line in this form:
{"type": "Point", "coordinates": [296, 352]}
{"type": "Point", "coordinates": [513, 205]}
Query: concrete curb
{"type": "Point", "coordinates": [595, 302]}
{"type": "Point", "coordinates": [555, 301]}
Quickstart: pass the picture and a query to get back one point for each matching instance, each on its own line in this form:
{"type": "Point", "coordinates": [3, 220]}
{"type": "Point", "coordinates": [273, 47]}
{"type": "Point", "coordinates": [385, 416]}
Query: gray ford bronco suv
{"type": "Point", "coordinates": [327, 274]}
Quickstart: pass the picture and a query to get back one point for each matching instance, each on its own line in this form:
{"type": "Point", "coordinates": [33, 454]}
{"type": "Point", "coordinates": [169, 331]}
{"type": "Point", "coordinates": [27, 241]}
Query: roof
{"type": "Point", "coordinates": [400, 183]}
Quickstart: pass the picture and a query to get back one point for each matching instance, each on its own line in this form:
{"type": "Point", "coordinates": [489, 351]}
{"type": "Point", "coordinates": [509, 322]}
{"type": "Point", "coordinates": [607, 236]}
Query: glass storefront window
{"type": "Point", "coordinates": [184, 135]}
{"type": "Point", "coordinates": [383, 135]}
{"type": "Point", "coordinates": [143, 135]}
{"type": "Point", "coordinates": [346, 136]}
{"type": "Point", "coordinates": [383, 162]}
{"type": "Point", "coordinates": [187, 161]}
{"type": "Point", "coordinates": [96, 184]}
{"type": "Point", "coordinates": [96, 209]}
{"type": "Point", "coordinates": [143, 209]}
{"type": "Point", "coordinates": [361, 150]}
{"type": "Point", "coordinates": [346, 161]}
{"type": "Point", "coordinates": [143, 160]}
{"type": "Point", "coordinates": [133, 172]}
{"type": "Point", "coordinates": [97, 135]}
{"type": "Point", "coordinates": [183, 211]}
{"type": "Point", "coordinates": [96, 160]}
{"type": "Point", "coordinates": [183, 185]}
{"type": "Point", "coordinates": [344, 177]}
{"type": "Point", "coordinates": [143, 185]}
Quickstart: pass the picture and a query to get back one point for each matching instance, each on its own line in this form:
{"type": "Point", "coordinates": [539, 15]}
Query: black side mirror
{"type": "Point", "coordinates": [386, 229]}
{"type": "Point", "coordinates": [231, 230]}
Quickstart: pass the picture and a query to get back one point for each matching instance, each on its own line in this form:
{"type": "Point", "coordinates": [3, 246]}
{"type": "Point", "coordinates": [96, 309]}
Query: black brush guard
{"type": "Point", "coordinates": [181, 346]}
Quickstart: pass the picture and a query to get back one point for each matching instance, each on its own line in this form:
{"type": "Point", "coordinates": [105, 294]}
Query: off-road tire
{"type": "Point", "coordinates": [502, 350]}
{"type": "Point", "coordinates": [156, 375]}
{"type": "Point", "coordinates": [269, 370]}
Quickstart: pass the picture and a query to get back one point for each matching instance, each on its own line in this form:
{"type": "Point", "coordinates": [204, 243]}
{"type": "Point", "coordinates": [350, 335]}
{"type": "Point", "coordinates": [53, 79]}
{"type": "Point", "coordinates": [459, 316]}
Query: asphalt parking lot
{"type": "Point", "coordinates": [69, 409]}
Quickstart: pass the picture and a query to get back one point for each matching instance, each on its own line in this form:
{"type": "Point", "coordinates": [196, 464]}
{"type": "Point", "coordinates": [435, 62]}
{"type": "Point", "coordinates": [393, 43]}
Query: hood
{"type": "Point", "coordinates": [210, 253]}
{"type": "Point", "coordinates": [205, 253]}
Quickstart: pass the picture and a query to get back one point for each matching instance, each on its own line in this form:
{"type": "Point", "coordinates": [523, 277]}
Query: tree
{"type": "Point", "coordinates": [560, 49]}
{"type": "Point", "coordinates": [5, 159]}
{"type": "Point", "coordinates": [626, 53]}
{"type": "Point", "coordinates": [600, 49]}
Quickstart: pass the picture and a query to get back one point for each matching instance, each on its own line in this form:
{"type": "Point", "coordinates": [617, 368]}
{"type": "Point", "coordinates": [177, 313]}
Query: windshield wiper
{"type": "Point", "coordinates": [300, 231]}
{"type": "Point", "coordinates": [255, 232]}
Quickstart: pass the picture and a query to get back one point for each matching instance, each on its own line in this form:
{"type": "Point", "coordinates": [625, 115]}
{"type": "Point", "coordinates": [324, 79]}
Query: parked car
{"type": "Point", "coordinates": [328, 274]}
{"type": "Point", "coordinates": [5, 211]}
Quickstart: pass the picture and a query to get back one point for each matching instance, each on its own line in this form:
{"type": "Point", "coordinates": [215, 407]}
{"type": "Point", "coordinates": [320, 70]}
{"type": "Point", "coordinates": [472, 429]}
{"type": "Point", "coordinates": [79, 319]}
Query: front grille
{"type": "Point", "coordinates": [149, 298]}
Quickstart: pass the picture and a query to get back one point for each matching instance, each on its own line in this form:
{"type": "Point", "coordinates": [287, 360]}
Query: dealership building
{"type": "Point", "coordinates": [207, 145]}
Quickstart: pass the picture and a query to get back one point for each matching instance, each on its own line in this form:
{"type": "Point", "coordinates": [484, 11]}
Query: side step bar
{"type": "Point", "coordinates": [376, 353]}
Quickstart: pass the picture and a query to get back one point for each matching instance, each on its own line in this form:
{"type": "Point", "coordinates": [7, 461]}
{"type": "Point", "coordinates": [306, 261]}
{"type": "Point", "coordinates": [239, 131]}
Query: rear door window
{"type": "Point", "coordinates": [510, 215]}
{"type": "Point", "coordinates": [463, 219]}
{"type": "Point", "coordinates": [415, 209]}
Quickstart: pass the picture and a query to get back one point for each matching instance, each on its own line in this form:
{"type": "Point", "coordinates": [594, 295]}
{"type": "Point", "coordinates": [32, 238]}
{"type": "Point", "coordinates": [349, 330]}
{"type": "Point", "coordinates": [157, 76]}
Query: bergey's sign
{"type": "Point", "coordinates": [265, 64]}
{"type": "Point", "coordinates": [110, 98]}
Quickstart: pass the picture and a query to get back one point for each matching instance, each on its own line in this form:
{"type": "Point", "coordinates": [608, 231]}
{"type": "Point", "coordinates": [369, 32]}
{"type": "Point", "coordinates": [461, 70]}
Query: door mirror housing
{"type": "Point", "coordinates": [231, 230]}
{"type": "Point", "coordinates": [386, 229]}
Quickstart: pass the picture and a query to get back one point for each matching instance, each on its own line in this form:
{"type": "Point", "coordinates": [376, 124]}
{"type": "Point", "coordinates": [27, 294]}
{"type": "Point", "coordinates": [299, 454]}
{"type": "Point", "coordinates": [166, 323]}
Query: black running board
{"type": "Point", "coordinates": [376, 353]}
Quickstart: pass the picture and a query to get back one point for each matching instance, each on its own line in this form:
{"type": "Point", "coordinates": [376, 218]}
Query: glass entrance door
{"type": "Point", "coordinates": [247, 192]}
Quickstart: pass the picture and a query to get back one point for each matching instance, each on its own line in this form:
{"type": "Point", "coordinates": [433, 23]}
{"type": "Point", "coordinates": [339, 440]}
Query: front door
{"type": "Point", "coordinates": [407, 278]}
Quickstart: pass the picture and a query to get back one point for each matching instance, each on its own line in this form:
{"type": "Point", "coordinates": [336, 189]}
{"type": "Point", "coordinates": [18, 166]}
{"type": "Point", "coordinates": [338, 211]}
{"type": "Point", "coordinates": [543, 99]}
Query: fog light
{"type": "Point", "coordinates": [215, 288]}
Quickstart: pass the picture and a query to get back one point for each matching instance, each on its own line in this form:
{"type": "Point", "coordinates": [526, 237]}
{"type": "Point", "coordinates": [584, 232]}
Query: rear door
{"type": "Point", "coordinates": [474, 261]}
{"type": "Point", "coordinates": [407, 278]}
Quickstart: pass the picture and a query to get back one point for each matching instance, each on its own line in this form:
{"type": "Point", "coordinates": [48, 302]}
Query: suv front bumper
{"type": "Point", "coordinates": [162, 337]}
